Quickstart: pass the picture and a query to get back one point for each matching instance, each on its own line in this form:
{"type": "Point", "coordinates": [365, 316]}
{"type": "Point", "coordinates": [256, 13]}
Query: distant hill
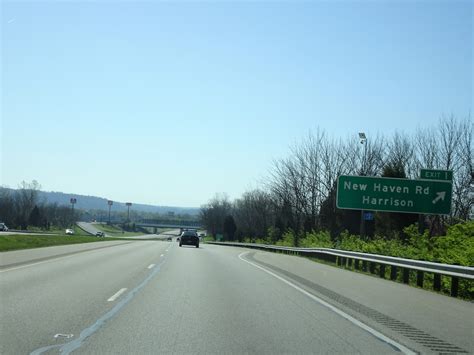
{"type": "Point", "coordinates": [98, 203]}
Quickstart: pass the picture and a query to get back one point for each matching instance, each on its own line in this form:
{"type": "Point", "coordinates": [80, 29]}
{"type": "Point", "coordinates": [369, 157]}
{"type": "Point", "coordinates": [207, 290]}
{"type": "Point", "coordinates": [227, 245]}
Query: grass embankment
{"type": "Point", "coordinates": [28, 241]}
{"type": "Point", "coordinates": [56, 231]}
{"type": "Point", "coordinates": [115, 231]}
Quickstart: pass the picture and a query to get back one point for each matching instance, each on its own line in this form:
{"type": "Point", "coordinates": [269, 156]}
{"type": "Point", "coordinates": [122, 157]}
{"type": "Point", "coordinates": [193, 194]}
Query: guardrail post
{"type": "Point", "coordinates": [437, 282]}
{"type": "Point", "coordinates": [350, 263]}
{"type": "Point", "coordinates": [356, 264]}
{"type": "Point", "coordinates": [393, 272]}
{"type": "Point", "coordinates": [382, 271]}
{"type": "Point", "coordinates": [364, 265]}
{"type": "Point", "coordinates": [372, 267]}
{"type": "Point", "coordinates": [419, 278]}
{"type": "Point", "coordinates": [406, 276]}
{"type": "Point", "coordinates": [454, 286]}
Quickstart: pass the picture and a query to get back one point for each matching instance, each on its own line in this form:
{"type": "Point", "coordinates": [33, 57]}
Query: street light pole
{"type": "Point", "coordinates": [73, 201]}
{"type": "Point", "coordinates": [363, 140]}
{"type": "Point", "coordinates": [110, 203]}
{"type": "Point", "coordinates": [128, 211]}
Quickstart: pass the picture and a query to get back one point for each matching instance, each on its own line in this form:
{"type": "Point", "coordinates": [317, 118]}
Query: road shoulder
{"type": "Point", "coordinates": [15, 258]}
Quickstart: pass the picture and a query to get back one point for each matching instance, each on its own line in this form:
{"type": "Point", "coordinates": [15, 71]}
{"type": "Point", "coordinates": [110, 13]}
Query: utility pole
{"type": "Point", "coordinates": [363, 140]}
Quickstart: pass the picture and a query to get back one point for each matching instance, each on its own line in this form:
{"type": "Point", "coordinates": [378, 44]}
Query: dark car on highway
{"type": "Point", "coordinates": [100, 234]}
{"type": "Point", "coordinates": [189, 238]}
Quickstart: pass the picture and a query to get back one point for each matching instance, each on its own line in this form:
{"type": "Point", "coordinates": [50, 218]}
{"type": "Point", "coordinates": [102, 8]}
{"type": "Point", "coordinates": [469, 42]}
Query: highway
{"type": "Point", "coordinates": [148, 297]}
{"type": "Point", "coordinates": [90, 228]}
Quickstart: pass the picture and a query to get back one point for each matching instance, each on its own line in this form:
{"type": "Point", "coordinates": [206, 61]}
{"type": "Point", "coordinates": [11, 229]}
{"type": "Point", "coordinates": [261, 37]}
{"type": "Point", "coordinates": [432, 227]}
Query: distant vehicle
{"type": "Point", "coordinates": [181, 230]}
{"type": "Point", "coordinates": [100, 234]}
{"type": "Point", "coordinates": [202, 234]}
{"type": "Point", "coordinates": [189, 238]}
{"type": "Point", "coordinates": [169, 238]}
{"type": "Point", "coordinates": [69, 231]}
{"type": "Point", "coordinates": [3, 227]}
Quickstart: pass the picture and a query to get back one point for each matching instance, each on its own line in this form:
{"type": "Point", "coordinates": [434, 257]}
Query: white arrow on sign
{"type": "Point", "coordinates": [441, 196]}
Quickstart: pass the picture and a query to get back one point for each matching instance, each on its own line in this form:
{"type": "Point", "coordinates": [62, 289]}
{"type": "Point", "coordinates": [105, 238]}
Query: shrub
{"type": "Point", "coordinates": [317, 240]}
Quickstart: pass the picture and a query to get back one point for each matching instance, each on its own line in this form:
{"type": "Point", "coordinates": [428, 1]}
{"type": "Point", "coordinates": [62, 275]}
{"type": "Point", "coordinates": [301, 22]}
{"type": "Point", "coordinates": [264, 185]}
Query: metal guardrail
{"type": "Point", "coordinates": [347, 258]}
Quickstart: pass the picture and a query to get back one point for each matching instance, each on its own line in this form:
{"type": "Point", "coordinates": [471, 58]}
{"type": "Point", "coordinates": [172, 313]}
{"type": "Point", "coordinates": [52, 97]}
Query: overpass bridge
{"type": "Point", "coordinates": [156, 223]}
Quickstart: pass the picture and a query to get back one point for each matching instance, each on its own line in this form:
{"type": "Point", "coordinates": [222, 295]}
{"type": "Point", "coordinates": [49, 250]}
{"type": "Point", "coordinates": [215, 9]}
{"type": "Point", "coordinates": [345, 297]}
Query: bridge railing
{"type": "Point", "coordinates": [364, 262]}
{"type": "Point", "coordinates": [168, 222]}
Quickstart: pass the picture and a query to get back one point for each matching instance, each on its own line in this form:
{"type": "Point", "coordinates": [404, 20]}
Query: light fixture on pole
{"type": "Point", "coordinates": [363, 140]}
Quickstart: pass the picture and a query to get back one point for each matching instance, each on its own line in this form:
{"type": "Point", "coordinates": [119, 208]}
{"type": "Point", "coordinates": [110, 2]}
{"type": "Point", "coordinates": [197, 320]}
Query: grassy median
{"type": "Point", "coordinates": [24, 241]}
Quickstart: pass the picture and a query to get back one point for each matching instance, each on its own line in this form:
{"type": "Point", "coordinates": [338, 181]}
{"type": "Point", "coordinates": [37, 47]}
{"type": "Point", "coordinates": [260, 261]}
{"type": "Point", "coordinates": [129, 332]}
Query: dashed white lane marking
{"type": "Point", "coordinates": [117, 295]}
{"type": "Point", "coordinates": [162, 255]}
{"type": "Point", "coordinates": [351, 319]}
{"type": "Point", "coordinates": [151, 266]}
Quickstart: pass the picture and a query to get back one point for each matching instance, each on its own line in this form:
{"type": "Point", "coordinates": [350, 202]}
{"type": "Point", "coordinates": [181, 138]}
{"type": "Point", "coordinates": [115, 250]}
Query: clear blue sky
{"type": "Point", "coordinates": [168, 103]}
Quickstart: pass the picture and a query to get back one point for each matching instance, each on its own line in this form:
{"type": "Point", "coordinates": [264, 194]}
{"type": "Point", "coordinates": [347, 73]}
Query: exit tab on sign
{"type": "Point", "coordinates": [431, 174]}
{"type": "Point", "coordinates": [394, 195]}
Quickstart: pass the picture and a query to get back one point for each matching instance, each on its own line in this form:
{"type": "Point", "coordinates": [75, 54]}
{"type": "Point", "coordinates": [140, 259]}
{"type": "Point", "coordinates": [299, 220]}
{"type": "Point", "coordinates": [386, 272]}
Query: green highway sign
{"type": "Point", "coordinates": [431, 174]}
{"type": "Point", "coordinates": [393, 195]}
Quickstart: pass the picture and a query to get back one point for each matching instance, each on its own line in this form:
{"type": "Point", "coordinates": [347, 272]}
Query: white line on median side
{"type": "Point", "coordinates": [151, 266]}
{"type": "Point", "coordinates": [117, 295]}
{"type": "Point", "coordinates": [351, 319]}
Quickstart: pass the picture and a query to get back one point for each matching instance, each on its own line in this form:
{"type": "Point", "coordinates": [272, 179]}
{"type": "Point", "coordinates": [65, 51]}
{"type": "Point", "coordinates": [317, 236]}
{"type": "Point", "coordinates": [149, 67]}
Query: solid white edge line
{"type": "Point", "coordinates": [351, 319]}
{"type": "Point", "coordinates": [117, 295]}
{"type": "Point", "coordinates": [151, 266]}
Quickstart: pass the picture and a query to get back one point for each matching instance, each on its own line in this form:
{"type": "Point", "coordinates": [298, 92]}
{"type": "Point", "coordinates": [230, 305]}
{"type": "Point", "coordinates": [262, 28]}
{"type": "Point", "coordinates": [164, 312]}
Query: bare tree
{"type": "Point", "coordinates": [463, 181]}
{"type": "Point", "coordinates": [26, 198]}
{"type": "Point", "coordinates": [254, 214]}
{"type": "Point", "coordinates": [400, 152]}
{"type": "Point", "coordinates": [426, 149]}
{"type": "Point", "coordinates": [214, 213]}
{"type": "Point", "coordinates": [367, 158]}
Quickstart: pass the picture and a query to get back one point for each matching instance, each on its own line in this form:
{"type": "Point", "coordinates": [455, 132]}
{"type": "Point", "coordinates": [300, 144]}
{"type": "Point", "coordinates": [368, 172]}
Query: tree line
{"type": "Point", "coordinates": [299, 192]}
{"type": "Point", "coordinates": [23, 208]}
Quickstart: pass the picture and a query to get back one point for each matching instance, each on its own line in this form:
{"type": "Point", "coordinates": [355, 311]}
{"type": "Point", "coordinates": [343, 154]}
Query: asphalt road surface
{"type": "Point", "coordinates": [88, 227]}
{"type": "Point", "coordinates": [149, 297]}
